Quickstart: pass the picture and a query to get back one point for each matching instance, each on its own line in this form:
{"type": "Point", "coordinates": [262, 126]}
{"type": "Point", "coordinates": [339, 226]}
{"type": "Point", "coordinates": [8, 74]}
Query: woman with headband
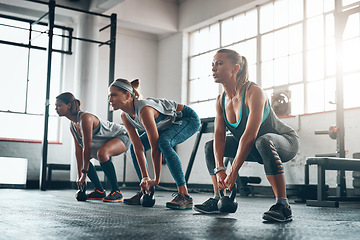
{"type": "Point", "coordinates": [94, 138]}
{"type": "Point", "coordinates": [165, 124]}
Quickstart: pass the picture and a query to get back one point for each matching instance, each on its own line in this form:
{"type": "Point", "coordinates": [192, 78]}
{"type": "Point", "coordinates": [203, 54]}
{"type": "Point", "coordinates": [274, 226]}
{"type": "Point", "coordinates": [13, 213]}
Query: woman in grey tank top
{"type": "Point", "coordinates": [94, 138]}
{"type": "Point", "coordinates": [159, 125]}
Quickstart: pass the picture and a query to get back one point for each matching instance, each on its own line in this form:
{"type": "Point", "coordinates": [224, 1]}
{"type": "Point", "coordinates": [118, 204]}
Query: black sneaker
{"type": "Point", "coordinates": [114, 197]}
{"type": "Point", "coordinates": [209, 206]}
{"type": "Point", "coordinates": [96, 195]}
{"type": "Point", "coordinates": [135, 200]}
{"type": "Point", "coordinates": [180, 202]}
{"type": "Point", "coordinates": [278, 213]}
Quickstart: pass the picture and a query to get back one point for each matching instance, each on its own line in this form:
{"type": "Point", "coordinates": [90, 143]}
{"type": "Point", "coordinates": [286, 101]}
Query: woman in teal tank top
{"type": "Point", "coordinates": [257, 135]}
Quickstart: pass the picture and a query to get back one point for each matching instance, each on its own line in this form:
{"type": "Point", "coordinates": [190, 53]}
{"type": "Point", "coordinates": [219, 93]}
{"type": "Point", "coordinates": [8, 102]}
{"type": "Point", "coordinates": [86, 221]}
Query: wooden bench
{"type": "Point", "coordinates": [330, 163]}
{"type": "Point", "coordinates": [65, 167]}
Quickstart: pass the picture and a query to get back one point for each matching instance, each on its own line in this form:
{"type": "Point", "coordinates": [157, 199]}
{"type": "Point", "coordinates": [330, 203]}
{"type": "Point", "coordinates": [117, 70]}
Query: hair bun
{"type": "Point", "coordinates": [135, 83]}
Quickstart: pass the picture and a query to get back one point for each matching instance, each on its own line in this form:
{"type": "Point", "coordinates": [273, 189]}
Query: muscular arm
{"type": "Point", "coordinates": [256, 101]}
{"type": "Point", "coordinates": [219, 134]}
{"type": "Point", "coordinates": [78, 154]}
{"type": "Point", "coordinates": [148, 115]}
{"type": "Point", "coordinates": [138, 146]}
{"type": "Point", "coordinates": [87, 123]}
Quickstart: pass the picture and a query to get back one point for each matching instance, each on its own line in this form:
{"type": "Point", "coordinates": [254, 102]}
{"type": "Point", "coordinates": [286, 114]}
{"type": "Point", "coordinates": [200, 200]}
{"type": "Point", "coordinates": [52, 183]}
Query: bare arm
{"type": "Point", "coordinates": [138, 146]}
{"type": "Point", "coordinates": [256, 101]}
{"type": "Point", "coordinates": [148, 115]}
{"type": "Point", "coordinates": [78, 155]}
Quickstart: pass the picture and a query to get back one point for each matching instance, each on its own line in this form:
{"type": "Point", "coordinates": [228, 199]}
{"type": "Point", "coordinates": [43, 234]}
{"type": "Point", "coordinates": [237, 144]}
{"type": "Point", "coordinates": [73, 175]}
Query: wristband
{"type": "Point", "coordinates": [84, 171]}
{"type": "Point", "coordinates": [218, 169]}
{"type": "Point", "coordinates": [145, 178]}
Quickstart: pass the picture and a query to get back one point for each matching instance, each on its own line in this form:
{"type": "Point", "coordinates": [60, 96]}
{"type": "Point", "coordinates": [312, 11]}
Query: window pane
{"type": "Point", "coordinates": [247, 49]}
{"type": "Point", "coordinates": [267, 47]}
{"type": "Point", "coordinates": [199, 40]}
{"type": "Point", "coordinates": [205, 109]}
{"type": "Point", "coordinates": [315, 32]}
{"type": "Point", "coordinates": [297, 99]}
{"type": "Point", "coordinates": [11, 34]}
{"type": "Point", "coordinates": [315, 64]}
{"type": "Point", "coordinates": [251, 23]}
{"type": "Point", "coordinates": [37, 81]}
{"type": "Point", "coordinates": [314, 7]}
{"type": "Point", "coordinates": [39, 36]}
{"type": "Point", "coordinates": [330, 60]}
{"type": "Point", "coordinates": [267, 74]}
{"type": "Point", "coordinates": [347, 2]}
{"type": "Point", "coordinates": [352, 27]}
{"type": "Point", "coordinates": [252, 73]}
{"type": "Point", "coordinates": [296, 10]}
{"type": "Point", "coordinates": [351, 90]}
{"type": "Point", "coordinates": [295, 68]}
{"type": "Point", "coordinates": [228, 35]}
{"type": "Point", "coordinates": [329, 29]}
{"type": "Point", "coordinates": [281, 43]}
{"type": "Point", "coordinates": [295, 39]}
{"type": "Point", "coordinates": [13, 68]}
{"type": "Point", "coordinates": [330, 91]}
{"type": "Point", "coordinates": [29, 127]}
{"type": "Point", "coordinates": [351, 55]}
{"type": "Point", "coordinates": [201, 65]}
{"type": "Point", "coordinates": [266, 18]}
{"type": "Point", "coordinates": [197, 87]}
{"type": "Point", "coordinates": [281, 68]}
{"type": "Point", "coordinates": [329, 5]}
{"type": "Point", "coordinates": [315, 96]}
{"type": "Point", "coordinates": [281, 13]}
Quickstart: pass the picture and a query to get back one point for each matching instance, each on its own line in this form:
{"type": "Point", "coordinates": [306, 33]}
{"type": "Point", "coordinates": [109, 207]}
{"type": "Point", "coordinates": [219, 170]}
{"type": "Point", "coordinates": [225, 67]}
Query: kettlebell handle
{"type": "Point", "coordinates": [152, 191]}
{"type": "Point", "coordinates": [232, 193]}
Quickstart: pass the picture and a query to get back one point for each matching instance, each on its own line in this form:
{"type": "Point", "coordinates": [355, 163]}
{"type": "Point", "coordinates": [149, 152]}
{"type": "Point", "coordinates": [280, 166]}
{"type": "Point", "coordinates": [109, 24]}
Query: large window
{"type": "Point", "coordinates": [290, 46]}
{"type": "Point", "coordinates": [23, 75]}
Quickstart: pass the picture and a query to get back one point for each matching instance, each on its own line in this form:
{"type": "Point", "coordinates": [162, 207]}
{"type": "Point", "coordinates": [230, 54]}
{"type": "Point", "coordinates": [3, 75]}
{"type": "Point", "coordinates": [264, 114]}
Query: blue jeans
{"type": "Point", "coordinates": [168, 138]}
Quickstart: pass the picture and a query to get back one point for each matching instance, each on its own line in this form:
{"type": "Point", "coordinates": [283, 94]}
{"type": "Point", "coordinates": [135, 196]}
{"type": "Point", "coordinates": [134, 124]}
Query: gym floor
{"type": "Point", "coordinates": [55, 214]}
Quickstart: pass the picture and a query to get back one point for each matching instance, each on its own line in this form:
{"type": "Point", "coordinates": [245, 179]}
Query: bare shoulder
{"type": "Point", "coordinates": [256, 91]}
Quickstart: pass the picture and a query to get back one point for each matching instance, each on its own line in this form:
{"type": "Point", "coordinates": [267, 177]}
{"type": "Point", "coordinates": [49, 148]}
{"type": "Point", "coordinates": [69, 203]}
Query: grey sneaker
{"type": "Point", "coordinates": [278, 213]}
{"type": "Point", "coordinates": [180, 202]}
{"type": "Point", "coordinates": [134, 200]}
{"type": "Point", "coordinates": [114, 197]}
{"type": "Point", "coordinates": [208, 207]}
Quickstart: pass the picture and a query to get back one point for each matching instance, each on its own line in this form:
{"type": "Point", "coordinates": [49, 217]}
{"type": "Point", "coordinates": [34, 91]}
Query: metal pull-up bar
{"type": "Point", "coordinates": [111, 43]}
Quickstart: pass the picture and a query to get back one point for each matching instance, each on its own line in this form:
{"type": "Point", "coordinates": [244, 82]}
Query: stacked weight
{"type": "Point", "coordinates": [356, 176]}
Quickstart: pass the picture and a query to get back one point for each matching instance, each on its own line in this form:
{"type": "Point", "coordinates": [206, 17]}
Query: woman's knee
{"type": "Point", "coordinates": [102, 155]}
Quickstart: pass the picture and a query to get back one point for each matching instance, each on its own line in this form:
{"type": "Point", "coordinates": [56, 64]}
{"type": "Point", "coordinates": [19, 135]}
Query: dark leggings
{"type": "Point", "coordinates": [270, 149]}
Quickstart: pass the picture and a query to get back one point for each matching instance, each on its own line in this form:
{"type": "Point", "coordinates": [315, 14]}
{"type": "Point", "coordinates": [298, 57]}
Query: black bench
{"type": "Point", "coordinates": [330, 163]}
{"type": "Point", "coordinates": [65, 167]}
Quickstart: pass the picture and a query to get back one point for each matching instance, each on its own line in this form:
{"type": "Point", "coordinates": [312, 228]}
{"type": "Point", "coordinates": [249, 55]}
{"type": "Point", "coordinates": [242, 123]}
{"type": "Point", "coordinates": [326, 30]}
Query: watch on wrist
{"type": "Point", "coordinates": [218, 169]}
{"type": "Point", "coordinates": [84, 171]}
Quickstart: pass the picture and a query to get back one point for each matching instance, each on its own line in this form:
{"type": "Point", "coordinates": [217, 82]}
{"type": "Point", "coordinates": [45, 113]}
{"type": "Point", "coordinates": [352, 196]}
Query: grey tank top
{"type": "Point", "coordinates": [271, 125]}
{"type": "Point", "coordinates": [102, 133]}
{"type": "Point", "coordinates": [163, 106]}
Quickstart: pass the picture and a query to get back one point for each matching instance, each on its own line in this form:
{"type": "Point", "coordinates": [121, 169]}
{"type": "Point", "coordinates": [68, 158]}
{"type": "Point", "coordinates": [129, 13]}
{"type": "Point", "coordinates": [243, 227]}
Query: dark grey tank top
{"type": "Point", "coordinates": [271, 125]}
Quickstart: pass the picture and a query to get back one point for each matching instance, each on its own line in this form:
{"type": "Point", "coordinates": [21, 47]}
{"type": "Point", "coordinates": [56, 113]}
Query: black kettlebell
{"type": "Point", "coordinates": [228, 204]}
{"type": "Point", "coordinates": [148, 199]}
{"type": "Point", "coordinates": [81, 193]}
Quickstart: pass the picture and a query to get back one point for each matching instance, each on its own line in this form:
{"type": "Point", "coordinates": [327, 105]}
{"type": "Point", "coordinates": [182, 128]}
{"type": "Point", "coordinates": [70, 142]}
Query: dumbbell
{"type": "Point", "coordinates": [81, 193]}
{"type": "Point", "coordinates": [228, 204]}
{"type": "Point", "coordinates": [148, 199]}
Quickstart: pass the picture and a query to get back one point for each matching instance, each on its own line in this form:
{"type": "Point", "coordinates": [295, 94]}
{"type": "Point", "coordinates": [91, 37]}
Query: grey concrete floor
{"type": "Point", "coordinates": [55, 214]}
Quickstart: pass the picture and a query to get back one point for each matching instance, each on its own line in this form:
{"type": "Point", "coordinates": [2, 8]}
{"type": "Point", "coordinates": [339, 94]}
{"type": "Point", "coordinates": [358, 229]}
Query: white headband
{"type": "Point", "coordinates": [124, 86]}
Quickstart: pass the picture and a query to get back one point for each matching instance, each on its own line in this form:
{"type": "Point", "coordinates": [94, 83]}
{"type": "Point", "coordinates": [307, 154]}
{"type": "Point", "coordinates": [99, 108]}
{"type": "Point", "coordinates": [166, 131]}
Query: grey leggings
{"type": "Point", "coordinates": [270, 149]}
